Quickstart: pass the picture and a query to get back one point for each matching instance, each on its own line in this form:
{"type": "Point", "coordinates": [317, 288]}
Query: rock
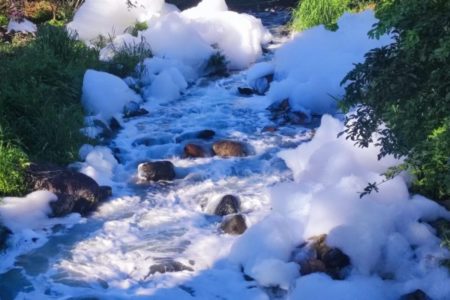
{"type": "Point", "coordinates": [246, 91]}
{"type": "Point", "coordinates": [4, 235]}
{"type": "Point", "coordinates": [269, 129]}
{"type": "Point", "coordinates": [156, 171]}
{"type": "Point", "coordinates": [71, 186]}
{"type": "Point", "coordinates": [234, 225]}
{"type": "Point", "coordinates": [132, 109]}
{"type": "Point", "coordinates": [228, 205]}
{"type": "Point", "coordinates": [63, 206]}
{"type": "Point", "coordinates": [312, 266]}
{"type": "Point", "coordinates": [105, 192]}
{"type": "Point", "coordinates": [106, 133]}
{"type": "Point", "coordinates": [280, 106]}
{"type": "Point", "coordinates": [194, 151]}
{"type": "Point", "coordinates": [416, 295]}
{"type": "Point", "coordinates": [168, 267]}
{"type": "Point", "coordinates": [334, 258]}
{"type": "Point", "coordinates": [114, 124]}
{"type": "Point", "coordinates": [202, 134]}
{"type": "Point", "coordinates": [296, 117]}
{"type": "Point", "coordinates": [227, 148]}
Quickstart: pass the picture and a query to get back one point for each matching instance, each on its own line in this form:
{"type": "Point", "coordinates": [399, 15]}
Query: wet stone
{"type": "Point", "coordinates": [168, 267]}
{"type": "Point", "coordinates": [206, 134]}
{"type": "Point", "coordinates": [194, 151]}
{"type": "Point", "coordinates": [246, 91]}
{"type": "Point", "coordinates": [416, 295]}
{"type": "Point", "coordinates": [234, 225]}
{"type": "Point", "coordinates": [226, 148]}
{"type": "Point", "coordinates": [312, 266]}
{"type": "Point", "coordinates": [228, 205]}
{"type": "Point", "coordinates": [4, 235]}
{"type": "Point", "coordinates": [156, 171]}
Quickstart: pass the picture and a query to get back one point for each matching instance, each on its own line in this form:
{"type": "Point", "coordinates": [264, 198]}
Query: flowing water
{"type": "Point", "coordinates": [109, 254]}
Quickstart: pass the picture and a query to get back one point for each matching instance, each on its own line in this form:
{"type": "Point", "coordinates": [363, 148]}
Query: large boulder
{"type": "Point", "coordinates": [234, 225]}
{"type": "Point", "coordinates": [76, 192]}
{"type": "Point", "coordinates": [229, 204]}
{"type": "Point", "coordinates": [156, 171]}
{"type": "Point", "coordinates": [226, 148]}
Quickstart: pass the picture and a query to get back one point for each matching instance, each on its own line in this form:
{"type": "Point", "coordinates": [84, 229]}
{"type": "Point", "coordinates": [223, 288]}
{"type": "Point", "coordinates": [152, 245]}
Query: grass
{"type": "Point", "coordinates": [13, 162]}
{"type": "Point", "coordinates": [40, 94]}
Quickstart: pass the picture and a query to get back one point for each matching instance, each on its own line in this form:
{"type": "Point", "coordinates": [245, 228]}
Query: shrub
{"type": "Point", "coordinates": [310, 13]}
{"type": "Point", "coordinates": [12, 167]}
{"type": "Point", "coordinates": [406, 86]}
{"type": "Point", "coordinates": [40, 94]}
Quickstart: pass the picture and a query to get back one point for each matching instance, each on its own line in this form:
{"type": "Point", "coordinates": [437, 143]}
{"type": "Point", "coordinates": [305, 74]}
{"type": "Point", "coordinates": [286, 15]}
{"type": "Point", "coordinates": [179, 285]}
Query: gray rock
{"type": "Point", "coordinates": [168, 267]}
{"type": "Point", "coordinates": [226, 148]}
{"type": "Point", "coordinates": [234, 225]}
{"type": "Point", "coordinates": [228, 205]}
{"type": "Point", "coordinates": [156, 171]}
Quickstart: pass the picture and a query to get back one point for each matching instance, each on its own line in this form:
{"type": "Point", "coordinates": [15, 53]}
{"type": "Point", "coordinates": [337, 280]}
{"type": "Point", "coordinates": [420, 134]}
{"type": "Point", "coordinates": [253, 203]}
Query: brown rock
{"type": "Point", "coordinates": [194, 151]}
{"type": "Point", "coordinates": [226, 148]}
{"type": "Point", "coordinates": [156, 171]}
{"type": "Point", "coordinates": [312, 266]}
{"type": "Point", "coordinates": [269, 129]}
{"type": "Point", "coordinates": [234, 225]}
{"type": "Point", "coordinates": [77, 192]}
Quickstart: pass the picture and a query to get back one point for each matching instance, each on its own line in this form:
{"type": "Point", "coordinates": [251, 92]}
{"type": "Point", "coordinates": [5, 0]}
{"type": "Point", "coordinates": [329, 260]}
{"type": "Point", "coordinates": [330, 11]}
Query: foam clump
{"type": "Point", "coordinates": [29, 212]}
{"type": "Point", "coordinates": [382, 233]}
{"type": "Point", "coordinates": [105, 95]}
{"type": "Point", "coordinates": [309, 69]}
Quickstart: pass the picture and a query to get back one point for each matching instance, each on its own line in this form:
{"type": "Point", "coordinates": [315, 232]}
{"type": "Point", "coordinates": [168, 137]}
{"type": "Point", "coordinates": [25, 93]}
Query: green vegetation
{"type": "Point", "coordinates": [126, 60]}
{"type": "Point", "coordinates": [406, 86]}
{"type": "Point", "coordinates": [12, 167]}
{"type": "Point", "coordinates": [310, 13]}
{"type": "Point", "coordinates": [40, 98]}
{"type": "Point", "coordinates": [139, 26]}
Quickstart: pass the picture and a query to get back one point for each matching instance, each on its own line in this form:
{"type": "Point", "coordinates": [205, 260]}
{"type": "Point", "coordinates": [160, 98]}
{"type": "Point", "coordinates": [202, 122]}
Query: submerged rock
{"type": "Point", "coordinates": [194, 151]}
{"type": "Point", "coordinates": [281, 112]}
{"type": "Point", "coordinates": [156, 171]}
{"type": "Point", "coordinates": [226, 148]}
{"type": "Point", "coordinates": [206, 134]}
{"type": "Point", "coordinates": [416, 295]}
{"type": "Point", "coordinates": [234, 225]}
{"type": "Point", "coordinates": [76, 192]}
{"type": "Point", "coordinates": [228, 205]}
{"type": "Point", "coordinates": [246, 91]}
{"type": "Point", "coordinates": [317, 256]}
{"type": "Point", "coordinates": [168, 267]}
{"type": "Point", "coordinates": [4, 235]}
{"type": "Point", "coordinates": [132, 109]}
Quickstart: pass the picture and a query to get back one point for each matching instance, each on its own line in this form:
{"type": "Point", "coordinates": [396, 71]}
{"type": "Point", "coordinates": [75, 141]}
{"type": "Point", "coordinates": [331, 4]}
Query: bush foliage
{"type": "Point", "coordinates": [12, 167]}
{"type": "Point", "coordinates": [406, 86]}
{"type": "Point", "coordinates": [310, 13]}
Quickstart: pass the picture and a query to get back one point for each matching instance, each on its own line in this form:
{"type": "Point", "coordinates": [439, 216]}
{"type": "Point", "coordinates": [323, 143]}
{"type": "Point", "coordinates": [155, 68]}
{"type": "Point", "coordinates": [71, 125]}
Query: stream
{"type": "Point", "coordinates": [109, 254]}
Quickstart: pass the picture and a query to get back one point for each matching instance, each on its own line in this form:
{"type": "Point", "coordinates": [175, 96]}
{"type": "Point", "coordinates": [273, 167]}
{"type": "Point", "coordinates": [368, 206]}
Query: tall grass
{"type": "Point", "coordinates": [40, 94]}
